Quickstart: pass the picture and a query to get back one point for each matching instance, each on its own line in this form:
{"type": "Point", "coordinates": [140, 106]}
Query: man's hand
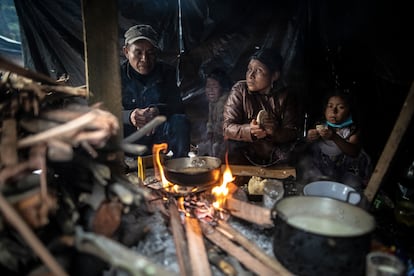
{"type": "Point", "coordinates": [140, 117]}
{"type": "Point", "coordinates": [150, 113]}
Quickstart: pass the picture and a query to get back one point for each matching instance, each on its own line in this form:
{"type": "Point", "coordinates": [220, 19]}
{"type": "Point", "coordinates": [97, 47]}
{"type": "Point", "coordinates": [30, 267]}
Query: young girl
{"type": "Point", "coordinates": [217, 87]}
{"type": "Point", "coordinates": [336, 147]}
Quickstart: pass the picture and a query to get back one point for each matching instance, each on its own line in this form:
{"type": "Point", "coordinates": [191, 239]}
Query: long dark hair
{"type": "Point", "coordinates": [222, 77]}
{"type": "Point", "coordinates": [269, 57]}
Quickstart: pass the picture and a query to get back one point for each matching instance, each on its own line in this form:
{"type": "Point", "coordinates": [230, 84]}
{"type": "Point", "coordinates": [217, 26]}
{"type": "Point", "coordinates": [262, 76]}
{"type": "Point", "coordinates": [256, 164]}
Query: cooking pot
{"type": "Point", "coordinates": [321, 236]}
{"type": "Point", "coordinates": [193, 171]}
{"type": "Point", "coordinates": [332, 189]}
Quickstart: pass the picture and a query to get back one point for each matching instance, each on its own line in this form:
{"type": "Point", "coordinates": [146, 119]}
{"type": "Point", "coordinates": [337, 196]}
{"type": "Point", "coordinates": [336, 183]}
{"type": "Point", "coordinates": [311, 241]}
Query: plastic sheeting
{"type": "Point", "coordinates": [214, 33]}
{"type": "Point", "coordinates": [364, 46]}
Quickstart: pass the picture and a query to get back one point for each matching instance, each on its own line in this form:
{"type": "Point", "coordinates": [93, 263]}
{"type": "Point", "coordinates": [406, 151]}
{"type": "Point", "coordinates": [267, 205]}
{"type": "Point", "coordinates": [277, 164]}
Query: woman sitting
{"type": "Point", "coordinates": [261, 121]}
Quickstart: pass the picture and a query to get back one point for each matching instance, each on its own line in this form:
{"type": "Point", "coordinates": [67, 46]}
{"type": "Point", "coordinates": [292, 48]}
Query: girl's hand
{"type": "Point", "coordinates": [326, 133]}
{"type": "Point", "coordinates": [256, 131]}
{"type": "Point", "coordinates": [313, 134]}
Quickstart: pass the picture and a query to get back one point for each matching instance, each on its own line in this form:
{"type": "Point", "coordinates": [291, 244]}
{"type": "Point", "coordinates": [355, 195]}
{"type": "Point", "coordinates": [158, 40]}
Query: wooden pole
{"type": "Point", "coordinates": [102, 51]}
{"type": "Point", "coordinates": [391, 146]}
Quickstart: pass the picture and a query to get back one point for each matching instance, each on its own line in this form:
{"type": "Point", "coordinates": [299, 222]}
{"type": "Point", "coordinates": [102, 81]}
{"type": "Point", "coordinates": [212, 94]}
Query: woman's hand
{"type": "Point", "coordinates": [256, 131]}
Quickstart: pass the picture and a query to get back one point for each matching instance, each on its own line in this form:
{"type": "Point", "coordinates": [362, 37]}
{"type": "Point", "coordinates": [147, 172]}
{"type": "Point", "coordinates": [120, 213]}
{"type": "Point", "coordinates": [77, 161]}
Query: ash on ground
{"type": "Point", "coordinates": [158, 244]}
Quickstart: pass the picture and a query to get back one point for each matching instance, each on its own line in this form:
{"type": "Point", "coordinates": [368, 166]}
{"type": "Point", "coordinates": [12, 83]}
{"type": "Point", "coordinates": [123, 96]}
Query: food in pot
{"type": "Point", "coordinates": [192, 170]}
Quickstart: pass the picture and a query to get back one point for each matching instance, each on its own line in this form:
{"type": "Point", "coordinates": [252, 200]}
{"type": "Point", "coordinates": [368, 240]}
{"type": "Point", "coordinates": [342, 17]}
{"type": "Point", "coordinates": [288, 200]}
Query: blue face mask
{"type": "Point", "coordinates": [341, 125]}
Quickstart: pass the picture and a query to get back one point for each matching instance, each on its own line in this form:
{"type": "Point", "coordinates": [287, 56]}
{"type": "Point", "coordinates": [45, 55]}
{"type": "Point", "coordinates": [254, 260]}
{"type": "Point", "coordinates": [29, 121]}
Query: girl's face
{"type": "Point", "coordinates": [213, 90]}
{"type": "Point", "coordinates": [258, 77]}
{"type": "Point", "coordinates": [337, 110]}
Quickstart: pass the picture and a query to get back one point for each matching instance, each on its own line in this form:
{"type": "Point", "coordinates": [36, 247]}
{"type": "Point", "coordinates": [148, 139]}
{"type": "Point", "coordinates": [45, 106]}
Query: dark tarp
{"type": "Point", "coordinates": [364, 46]}
{"type": "Point", "coordinates": [11, 50]}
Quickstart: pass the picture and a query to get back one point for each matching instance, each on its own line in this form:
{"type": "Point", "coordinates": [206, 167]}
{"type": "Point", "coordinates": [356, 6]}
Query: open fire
{"type": "Point", "coordinates": [192, 202]}
{"type": "Point", "coordinates": [198, 213]}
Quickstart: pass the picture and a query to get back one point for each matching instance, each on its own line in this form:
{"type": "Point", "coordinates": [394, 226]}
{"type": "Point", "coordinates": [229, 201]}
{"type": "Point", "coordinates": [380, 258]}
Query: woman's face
{"type": "Point", "coordinates": [337, 110]}
{"type": "Point", "coordinates": [213, 90]}
{"type": "Point", "coordinates": [258, 77]}
{"type": "Point", "coordinates": [141, 55]}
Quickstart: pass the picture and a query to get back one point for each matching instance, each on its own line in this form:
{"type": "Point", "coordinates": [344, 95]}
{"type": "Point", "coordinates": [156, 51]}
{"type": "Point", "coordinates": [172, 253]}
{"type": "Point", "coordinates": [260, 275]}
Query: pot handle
{"type": "Point", "coordinates": [348, 196]}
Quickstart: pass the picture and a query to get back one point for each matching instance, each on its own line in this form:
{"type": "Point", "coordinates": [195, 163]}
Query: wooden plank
{"type": "Point", "coordinates": [249, 212]}
{"type": "Point", "coordinates": [391, 146]}
{"type": "Point", "coordinates": [197, 250]}
{"type": "Point", "coordinates": [179, 240]}
{"type": "Point", "coordinates": [279, 172]}
{"type": "Point", "coordinates": [239, 238]}
{"type": "Point", "coordinates": [236, 251]}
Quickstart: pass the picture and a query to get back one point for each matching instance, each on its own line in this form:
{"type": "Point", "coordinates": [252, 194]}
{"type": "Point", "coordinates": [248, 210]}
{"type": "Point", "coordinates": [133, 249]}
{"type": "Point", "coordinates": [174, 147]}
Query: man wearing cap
{"type": "Point", "coordinates": [149, 89]}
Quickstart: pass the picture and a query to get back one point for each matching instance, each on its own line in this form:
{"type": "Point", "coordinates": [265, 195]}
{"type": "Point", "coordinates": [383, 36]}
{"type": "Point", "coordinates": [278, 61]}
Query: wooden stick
{"type": "Point", "coordinates": [391, 147]}
{"type": "Point", "coordinates": [179, 240]}
{"type": "Point", "coordinates": [236, 251]}
{"type": "Point", "coordinates": [279, 172]}
{"type": "Point", "coordinates": [74, 125]}
{"type": "Point", "coordinates": [9, 66]}
{"type": "Point", "coordinates": [235, 236]}
{"type": "Point", "coordinates": [197, 250]}
{"type": "Point", "coordinates": [8, 144]}
{"type": "Point", "coordinates": [250, 212]}
{"type": "Point", "coordinates": [30, 237]}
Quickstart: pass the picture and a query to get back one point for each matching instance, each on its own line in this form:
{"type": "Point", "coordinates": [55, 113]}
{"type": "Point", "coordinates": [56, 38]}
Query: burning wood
{"type": "Point", "coordinates": [208, 211]}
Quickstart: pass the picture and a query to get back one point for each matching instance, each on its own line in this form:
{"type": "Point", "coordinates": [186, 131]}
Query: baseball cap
{"type": "Point", "coordinates": [142, 31]}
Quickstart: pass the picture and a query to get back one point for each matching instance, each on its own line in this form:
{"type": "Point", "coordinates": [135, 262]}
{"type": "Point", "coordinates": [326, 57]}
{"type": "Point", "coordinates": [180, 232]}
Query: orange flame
{"type": "Point", "coordinates": [156, 154]}
{"type": "Point", "coordinates": [221, 192]}
{"type": "Point", "coordinates": [180, 205]}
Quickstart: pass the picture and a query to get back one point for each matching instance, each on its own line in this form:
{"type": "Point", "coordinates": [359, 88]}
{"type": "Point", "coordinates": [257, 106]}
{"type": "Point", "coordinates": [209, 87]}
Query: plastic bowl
{"type": "Point", "coordinates": [333, 190]}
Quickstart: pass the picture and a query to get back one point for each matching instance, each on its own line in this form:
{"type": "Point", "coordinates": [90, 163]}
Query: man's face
{"type": "Point", "coordinates": [141, 55]}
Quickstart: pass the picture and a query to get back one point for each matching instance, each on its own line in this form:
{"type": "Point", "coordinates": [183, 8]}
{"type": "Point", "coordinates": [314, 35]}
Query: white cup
{"type": "Point", "coordinates": [383, 264]}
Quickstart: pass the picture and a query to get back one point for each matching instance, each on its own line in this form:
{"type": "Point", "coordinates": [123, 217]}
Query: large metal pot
{"type": "Point", "coordinates": [193, 171]}
{"type": "Point", "coordinates": [321, 236]}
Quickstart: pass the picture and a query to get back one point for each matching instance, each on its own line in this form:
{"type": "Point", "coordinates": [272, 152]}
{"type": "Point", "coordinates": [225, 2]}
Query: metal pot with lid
{"type": "Point", "coordinates": [321, 236]}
